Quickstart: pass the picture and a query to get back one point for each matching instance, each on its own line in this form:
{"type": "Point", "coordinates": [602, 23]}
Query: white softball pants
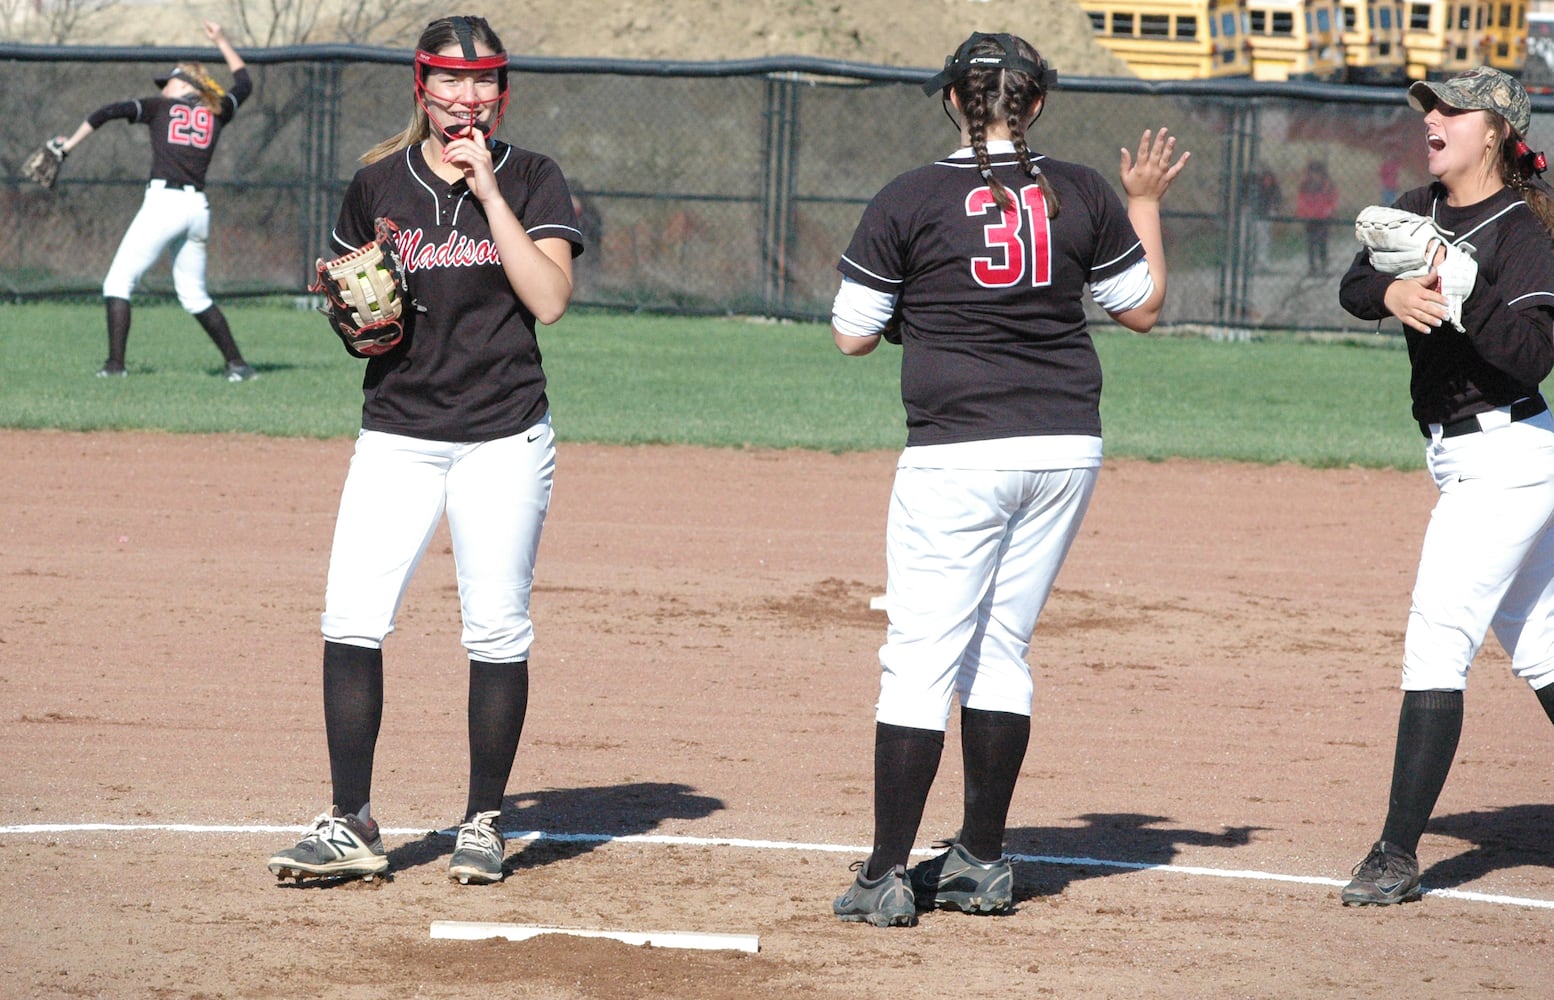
{"type": "Point", "coordinates": [971, 558]}
{"type": "Point", "coordinates": [167, 215]}
{"type": "Point", "coordinates": [496, 495]}
{"type": "Point", "coordinates": [1488, 557]}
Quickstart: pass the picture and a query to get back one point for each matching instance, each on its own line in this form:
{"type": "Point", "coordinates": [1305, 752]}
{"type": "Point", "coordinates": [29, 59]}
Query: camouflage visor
{"type": "Point", "coordinates": [1479, 89]}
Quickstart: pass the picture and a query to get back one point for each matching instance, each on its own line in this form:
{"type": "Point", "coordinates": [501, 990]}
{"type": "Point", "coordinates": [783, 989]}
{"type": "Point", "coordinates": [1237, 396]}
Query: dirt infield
{"type": "Point", "coordinates": [1212, 742]}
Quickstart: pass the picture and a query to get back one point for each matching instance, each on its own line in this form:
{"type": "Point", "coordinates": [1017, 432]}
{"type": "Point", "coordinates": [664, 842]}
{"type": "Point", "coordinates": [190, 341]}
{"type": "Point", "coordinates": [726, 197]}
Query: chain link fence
{"type": "Point", "coordinates": [717, 187]}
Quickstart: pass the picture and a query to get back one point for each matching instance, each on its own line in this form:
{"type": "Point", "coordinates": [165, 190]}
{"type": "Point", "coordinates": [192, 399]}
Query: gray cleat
{"type": "Point", "coordinates": [884, 902]}
{"type": "Point", "coordinates": [337, 846]}
{"type": "Point", "coordinates": [957, 881]}
{"type": "Point", "coordinates": [477, 854]}
{"type": "Point", "coordinates": [1388, 875]}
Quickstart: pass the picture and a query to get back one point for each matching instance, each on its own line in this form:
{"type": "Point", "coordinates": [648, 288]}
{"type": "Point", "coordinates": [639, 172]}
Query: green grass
{"type": "Point", "coordinates": [642, 379]}
{"type": "Point", "coordinates": [1275, 400]}
{"type": "Point", "coordinates": [49, 352]}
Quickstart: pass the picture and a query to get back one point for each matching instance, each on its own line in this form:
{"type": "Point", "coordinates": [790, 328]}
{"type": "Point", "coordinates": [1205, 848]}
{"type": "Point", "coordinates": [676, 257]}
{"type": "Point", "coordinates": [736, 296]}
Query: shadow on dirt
{"type": "Point", "coordinates": [1512, 837]}
{"type": "Point", "coordinates": [1107, 844]}
{"type": "Point", "coordinates": [597, 814]}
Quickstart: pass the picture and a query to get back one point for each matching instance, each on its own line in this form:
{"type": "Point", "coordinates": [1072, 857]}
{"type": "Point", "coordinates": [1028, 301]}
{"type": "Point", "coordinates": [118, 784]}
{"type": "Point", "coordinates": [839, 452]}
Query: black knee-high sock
{"type": "Point", "coordinates": [498, 702]}
{"type": "Point", "coordinates": [1429, 726]}
{"type": "Point", "coordinates": [993, 745]}
{"type": "Point", "coordinates": [353, 711]}
{"type": "Point", "coordinates": [118, 330]}
{"type": "Point", "coordinates": [905, 762]}
{"type": "Point", "coordinates": [215, 324]}
{"type": "Point", "coordinates": [1546, 699]}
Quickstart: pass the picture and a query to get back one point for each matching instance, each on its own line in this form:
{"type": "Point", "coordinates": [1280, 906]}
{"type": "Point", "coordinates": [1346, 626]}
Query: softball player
{"type": "Point", "coordinates": [1488, 553]}
{"type": "Point", "coordinates": [977, 265]}
{"type": "Point", "coordinates": [185, 121]}
{"type": "Point", "coordinates": [455, 420]}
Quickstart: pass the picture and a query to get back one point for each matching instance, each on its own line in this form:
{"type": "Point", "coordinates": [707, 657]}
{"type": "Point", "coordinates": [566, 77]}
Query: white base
{"type": "Point", "coordinates": [469, 930]}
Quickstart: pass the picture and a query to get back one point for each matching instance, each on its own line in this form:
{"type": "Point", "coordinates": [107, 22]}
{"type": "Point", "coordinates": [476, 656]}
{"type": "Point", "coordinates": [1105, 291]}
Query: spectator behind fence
{"type": "Point", "coordinates": [1316, 201]}
{"type": "Point", "coordinates": [1389, 173]}
{"type": "Point", "coordinates": [1267, 200]}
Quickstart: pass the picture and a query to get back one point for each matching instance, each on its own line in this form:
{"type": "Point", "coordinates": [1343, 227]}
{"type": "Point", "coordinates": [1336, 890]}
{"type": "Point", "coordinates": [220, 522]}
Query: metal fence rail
{"type": "Point", "coordinates": [721, 187]}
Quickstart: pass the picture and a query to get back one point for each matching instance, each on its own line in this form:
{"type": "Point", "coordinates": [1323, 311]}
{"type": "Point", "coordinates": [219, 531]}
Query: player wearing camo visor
{"type": "Point", "coordinates": [1487, 559]}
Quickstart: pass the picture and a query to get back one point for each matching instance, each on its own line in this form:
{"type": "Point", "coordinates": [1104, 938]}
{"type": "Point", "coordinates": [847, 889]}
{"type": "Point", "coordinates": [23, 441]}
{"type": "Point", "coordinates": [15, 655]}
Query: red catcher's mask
{"type": "Point", "coordinates": [466, 62]}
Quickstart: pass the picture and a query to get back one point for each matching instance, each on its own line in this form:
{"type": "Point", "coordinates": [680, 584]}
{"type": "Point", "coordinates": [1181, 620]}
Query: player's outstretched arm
{"type": "Point", "coordinates": [74, 139]}
{"type": "Point", "coordinates": [1146, 177]}
{"type": "Point", "coordinates": [215, 34]}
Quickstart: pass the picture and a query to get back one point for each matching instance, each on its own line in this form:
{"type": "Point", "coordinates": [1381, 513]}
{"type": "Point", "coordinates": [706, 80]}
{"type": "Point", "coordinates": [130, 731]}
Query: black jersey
{"type": "Point", "coordinates": [468, 368]}
{"type": "Point", "coordinates": [1509, 346]}
{"type": "Point", "coordinates": [994, 337]}
{"type": "Point", "coordinates": [184, 131]}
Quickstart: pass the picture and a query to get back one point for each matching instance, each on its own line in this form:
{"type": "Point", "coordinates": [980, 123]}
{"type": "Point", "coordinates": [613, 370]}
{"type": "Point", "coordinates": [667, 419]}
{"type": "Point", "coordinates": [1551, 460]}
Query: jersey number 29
{"type": "Point", "coordinates": [190, 126]}
{"type": "Point", "coordinates": [1024, 251]}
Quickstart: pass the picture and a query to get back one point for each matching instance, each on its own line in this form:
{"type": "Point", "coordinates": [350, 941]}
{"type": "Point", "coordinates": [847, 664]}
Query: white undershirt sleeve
{"type": "Point", "coordinates": [1128, 290]}
{"type": "Point", "coordinates": [860, 311]}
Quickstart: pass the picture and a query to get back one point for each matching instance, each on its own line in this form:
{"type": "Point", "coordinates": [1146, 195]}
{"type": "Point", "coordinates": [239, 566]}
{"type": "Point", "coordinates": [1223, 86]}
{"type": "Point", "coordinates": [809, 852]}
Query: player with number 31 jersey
{"type": "Point", "coordinates": [977, 266]}
{"type": "Point", "coordinates": [995, 300]}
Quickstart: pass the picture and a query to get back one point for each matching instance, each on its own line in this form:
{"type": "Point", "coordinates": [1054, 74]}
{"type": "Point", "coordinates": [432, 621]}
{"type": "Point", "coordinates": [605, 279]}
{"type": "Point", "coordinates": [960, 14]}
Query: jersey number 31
{"type": "Point", "coordinates": [1023, 252]}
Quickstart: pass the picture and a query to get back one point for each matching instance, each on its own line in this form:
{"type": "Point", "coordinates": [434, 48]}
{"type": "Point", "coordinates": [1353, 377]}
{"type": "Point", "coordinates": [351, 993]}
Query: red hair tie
{"type": "Point", "coordinates": [1537, 161]}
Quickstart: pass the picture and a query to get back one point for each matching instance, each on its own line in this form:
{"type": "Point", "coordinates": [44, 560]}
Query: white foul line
{"type": "Point", "coordinates": [24, 829]}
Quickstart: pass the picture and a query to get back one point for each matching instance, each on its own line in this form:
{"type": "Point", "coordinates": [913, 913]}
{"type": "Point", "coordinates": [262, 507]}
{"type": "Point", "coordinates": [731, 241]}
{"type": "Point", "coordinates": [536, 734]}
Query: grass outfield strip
{"type": "Point", "coordinates": [638, 379]}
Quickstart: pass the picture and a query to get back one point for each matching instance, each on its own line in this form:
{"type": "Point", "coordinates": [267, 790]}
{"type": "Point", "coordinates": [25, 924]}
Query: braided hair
{"type": "Point", "coordinates": [988, 90]}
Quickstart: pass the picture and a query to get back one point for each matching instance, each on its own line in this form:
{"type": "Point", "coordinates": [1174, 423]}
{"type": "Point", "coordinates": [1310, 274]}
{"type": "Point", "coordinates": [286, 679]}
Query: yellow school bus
{"type": "Point", "coordinates": [1373, 41]}
{"type": "Point", "coordinates": [1504, 37]}
{"type": "Point", "coordinates": [1443, 37]}
{"type": "Point", "coordinates": [1173, 39]}
{"type": "Point", "coordinates": [1295, 39]}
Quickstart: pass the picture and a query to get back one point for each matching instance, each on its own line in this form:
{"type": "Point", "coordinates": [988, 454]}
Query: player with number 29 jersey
{"type": "Point", "coordinates": [184, 133]}
{"type": "Point", "coordinates": [185, 120]}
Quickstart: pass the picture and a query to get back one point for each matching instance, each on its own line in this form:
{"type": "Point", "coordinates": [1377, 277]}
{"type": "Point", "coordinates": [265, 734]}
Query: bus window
{"type": "Point", "coordinates": [1295, 40]}
{"type": "Point", "coordinates": [1167, 40]}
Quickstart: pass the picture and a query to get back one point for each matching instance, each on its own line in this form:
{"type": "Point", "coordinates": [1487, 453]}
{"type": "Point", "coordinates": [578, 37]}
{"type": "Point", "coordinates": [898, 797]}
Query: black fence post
{"type": "Point", "coordinates": [1243, 167]}
{"type": "Point", "coordinates": [320, 154]}
{"type": "Point", "coordinates": [779, 148]}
